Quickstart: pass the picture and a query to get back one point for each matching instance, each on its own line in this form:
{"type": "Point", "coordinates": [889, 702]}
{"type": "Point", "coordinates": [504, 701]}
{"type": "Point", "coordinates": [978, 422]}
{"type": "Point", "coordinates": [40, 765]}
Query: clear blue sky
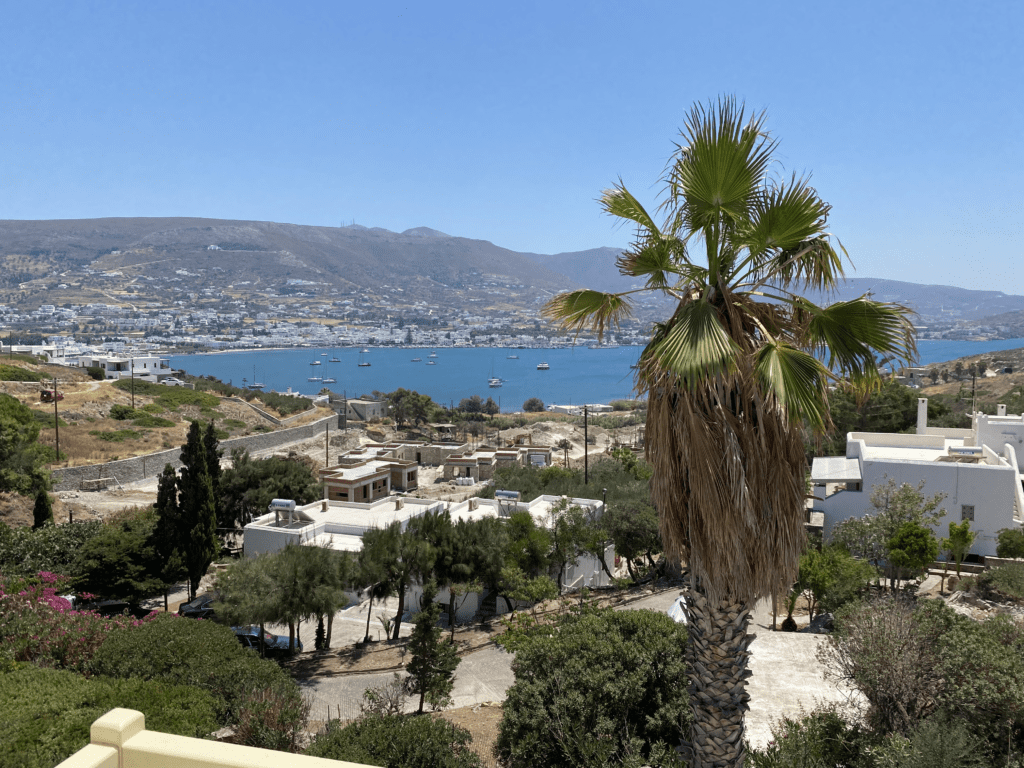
{"type": "Point", "coordinates": [505, 121]}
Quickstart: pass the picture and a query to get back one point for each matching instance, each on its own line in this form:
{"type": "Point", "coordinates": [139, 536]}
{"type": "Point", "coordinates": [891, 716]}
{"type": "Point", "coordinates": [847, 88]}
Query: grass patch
{"type": "Point", "coordinates": [234, 423]}
{"type": "Point", "coordinates": [169, 397]}
{"type": "Point", "coordinates": [118, 436]}
{"type": "Point", "coordinates": [15, 373]}
{"type": "Point", "coordinates": [45, 419]}
{"type": "Point", "coordinates": [154, 422]}
{"type": "Point", "coordinates": [152, 408]}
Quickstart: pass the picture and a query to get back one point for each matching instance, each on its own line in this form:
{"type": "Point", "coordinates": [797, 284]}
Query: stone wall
{"type": "Point", "coordinates": [151, 465]}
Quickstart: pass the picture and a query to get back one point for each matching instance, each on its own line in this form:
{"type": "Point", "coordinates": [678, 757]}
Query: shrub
{"type": "Point", "coordinates": [1006, 580]}
{"type": "Point", "coordinates": [153, 422]}
{"type": "Point", "coordinates": [833, 577]}
{"type": "Point", "coordinates": [822, 738]}
{"type": "Point", "coordinates": [912, 663]}
{"type": "Point", "coordinates": [96, 372]}
{"type": "Point", "coordinates": [1010, 543]}
{"type": "Point", "coordinates": [397, 741]}
{"type": "Point", "coordinates": [15, 373]}
{"type": "Point", "coordinates": [24, 552]}
{"type": "Point", "coordinates": [602, 686]}
{"type": "Point", "coordinates": [533, 405]}
{"type": "Point", "coordinates": [45, 714]}
{"type": "Point", "coordinates": [119, 436]}
{"type": "Point", "coordinates": [199, 653]}
{"type": "Point", "coordinates": [270, 718]}
{"type": "Point", "coordinates": [39, 626]}
{"type": "Point", "coordinates": [123, 412]}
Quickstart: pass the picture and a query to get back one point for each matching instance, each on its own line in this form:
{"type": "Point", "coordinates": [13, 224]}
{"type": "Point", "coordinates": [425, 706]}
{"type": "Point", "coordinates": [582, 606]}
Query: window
{"type": "Point", "coordinates": [967, 512]}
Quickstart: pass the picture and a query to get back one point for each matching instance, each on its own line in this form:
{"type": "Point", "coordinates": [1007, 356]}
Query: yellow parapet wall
{"type": "Point", "coordinates": [120, 740]}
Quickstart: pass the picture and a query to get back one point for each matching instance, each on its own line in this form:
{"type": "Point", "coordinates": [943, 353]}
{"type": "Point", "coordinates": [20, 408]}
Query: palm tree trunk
{"type": "Point", "coordinates": [330, 626]}
{"type": "Point", "coordinates": [717, 658]}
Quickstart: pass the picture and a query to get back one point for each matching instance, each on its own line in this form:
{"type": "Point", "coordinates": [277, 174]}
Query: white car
{"type": "Point", "coordinates": [170, 381]}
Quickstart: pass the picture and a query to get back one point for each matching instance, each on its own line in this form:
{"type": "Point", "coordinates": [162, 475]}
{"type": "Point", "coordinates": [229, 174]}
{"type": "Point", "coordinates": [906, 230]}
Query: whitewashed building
{"type": "Point", "coordinates": [978, 469]}
{"type": "Point", "coordinates": [340, 525]}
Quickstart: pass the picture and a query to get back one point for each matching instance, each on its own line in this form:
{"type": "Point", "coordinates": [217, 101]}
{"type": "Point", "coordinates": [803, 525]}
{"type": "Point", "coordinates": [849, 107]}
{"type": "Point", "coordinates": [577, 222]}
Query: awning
{"type": "Point", "coordinates": [835, 469]}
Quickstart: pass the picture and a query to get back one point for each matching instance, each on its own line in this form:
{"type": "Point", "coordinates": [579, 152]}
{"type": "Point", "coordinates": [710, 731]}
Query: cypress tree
{"type": "Point", "coordinates": [198, 509]}
{"type": "Point", "coordinates": [211, 447]}
{"type": "Point", "coordinates": [42, 512]}
{"type": "Point", "coordinates": [169, 535]}
{"type": "Point", "coordinates": [434, 659]}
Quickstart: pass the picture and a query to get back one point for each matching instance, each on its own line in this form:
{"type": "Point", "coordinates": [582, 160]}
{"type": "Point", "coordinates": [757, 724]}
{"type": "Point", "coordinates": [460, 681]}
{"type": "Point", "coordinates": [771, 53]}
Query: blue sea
{"type": "Point", "coordinates": [576, 375]}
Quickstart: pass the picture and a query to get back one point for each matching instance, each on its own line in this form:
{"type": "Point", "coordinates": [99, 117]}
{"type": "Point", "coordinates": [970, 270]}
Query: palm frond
{"type": "Point", "coordinates": [848, 334]}
{"type": "Point", "coordinates": [619, 201]}
{"type": "Point", "coordinates": [719, 165]}
{"type": "Point", "coordinates": [596, 310]}
{"type": "Point", "coordinates": [787, 239]}
{"type": "Point", "coordinates": [656, 260]}
{"type": "Point", "coordinates": [796, 381]}
{"type": "Point", "coordinates": [693, 345]}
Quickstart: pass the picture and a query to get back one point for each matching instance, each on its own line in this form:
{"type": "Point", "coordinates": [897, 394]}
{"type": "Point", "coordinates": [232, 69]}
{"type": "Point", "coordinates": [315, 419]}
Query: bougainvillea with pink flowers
{"type": "Point", "coordinates": [40, 626]}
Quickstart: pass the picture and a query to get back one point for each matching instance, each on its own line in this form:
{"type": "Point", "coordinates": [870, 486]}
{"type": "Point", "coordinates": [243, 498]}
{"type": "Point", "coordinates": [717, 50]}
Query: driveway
{"type": "Point", "coordinates": [787, 677]}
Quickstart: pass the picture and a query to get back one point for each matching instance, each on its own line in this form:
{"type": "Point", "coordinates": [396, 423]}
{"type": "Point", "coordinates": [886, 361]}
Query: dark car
{"type": "Point", "coordinates": [200, 608]}
{"type": "Point", "coordinates": [274, 645]}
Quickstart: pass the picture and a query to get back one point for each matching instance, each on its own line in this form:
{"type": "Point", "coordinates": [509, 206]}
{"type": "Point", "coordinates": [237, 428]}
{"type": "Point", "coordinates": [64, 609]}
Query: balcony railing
{"type": "Point", "coordinates": [119, 739]}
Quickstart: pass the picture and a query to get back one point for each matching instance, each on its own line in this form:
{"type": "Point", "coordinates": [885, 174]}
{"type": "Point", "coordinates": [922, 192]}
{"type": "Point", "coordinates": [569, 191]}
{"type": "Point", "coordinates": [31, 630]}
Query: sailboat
{"type": "Point", "coordinates": [334, 358]}
{"type": "Point", "coordinates": [363, 363]}
{"type": "Point", "coordinates": [255, 384]}
{"type": "Point", "coordinates": [312, 377]}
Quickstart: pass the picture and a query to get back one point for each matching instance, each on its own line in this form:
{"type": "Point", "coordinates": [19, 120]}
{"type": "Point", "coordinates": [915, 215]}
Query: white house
{"type": "Point", "coordinates": [340, 525]}
{"type": "Point", "coordinates": [145, 367]}
{"type": "Point", "coordinates": [978, 469]}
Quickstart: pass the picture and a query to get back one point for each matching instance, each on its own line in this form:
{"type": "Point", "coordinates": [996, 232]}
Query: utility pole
{"type": "Point", "coordinates": [327, 443]}
{"type": "Point", "coordinates": [133, 383]}
{"type": "Point", "coordinates": [56, 421]}
{"type": "Point", "coordinates": [586, 449]}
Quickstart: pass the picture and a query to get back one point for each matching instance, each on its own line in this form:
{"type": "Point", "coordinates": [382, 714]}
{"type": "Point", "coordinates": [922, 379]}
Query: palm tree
{"type": "Point", "coordinates": [742, 363]}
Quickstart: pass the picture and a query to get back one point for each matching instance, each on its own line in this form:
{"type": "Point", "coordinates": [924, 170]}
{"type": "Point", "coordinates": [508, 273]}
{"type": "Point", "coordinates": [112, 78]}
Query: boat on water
{"type": "Point", "coordinates": [494, 382]}
{"type": "Point", "coordinates": [330, 380]}
{"type": "Point", "coordinates": [334, 359]}
{"type": "Point", "coordinates": [543, 367]}
{"type": "Point", "coordinates": [431, 362]}
{"type": "Point", "coordinates": [432, 354]}
{"type": "Point", "coordinates": [417, 360]}
{"type": "Point", "coordinates": [364, 351]}
{"type": "Point", "coordinates": [512, 357]}
{"type": "Point", "coordinates": [314, 378]}
{"type": "Point", "coordinates": [315, 362]}
{"type": "Point", "coordinates": [256, 385]}
{"type": "Point", "coordinates": [323, 354]}
{"type": "Point", "coordinates": [602, 346]}
{"type": "Point", "coordinates": [363, 363]}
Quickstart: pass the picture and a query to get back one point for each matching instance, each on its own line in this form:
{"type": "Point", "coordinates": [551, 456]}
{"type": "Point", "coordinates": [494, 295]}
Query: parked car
{"type": "Point", "coordinates": [200, 608]}
{"type": "Point", "coordinates": [274, 645]}
{"type": "Point", "coordinates": [48, 396]}
{"type": "Point", "coordinates": [170, 381]}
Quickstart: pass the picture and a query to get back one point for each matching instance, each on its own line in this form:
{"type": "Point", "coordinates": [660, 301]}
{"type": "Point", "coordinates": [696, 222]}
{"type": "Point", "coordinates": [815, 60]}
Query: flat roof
{"type": "Point", "coordinates": [835, 469]}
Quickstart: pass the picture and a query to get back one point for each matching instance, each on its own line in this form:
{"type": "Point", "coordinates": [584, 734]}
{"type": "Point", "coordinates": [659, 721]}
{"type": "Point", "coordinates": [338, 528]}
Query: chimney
{"type": "Point", "coordinates": [1000, 410]}
{"type": "Point", "coordinates": [922, 415]}
{"type": "Point", "coordinates": [323, 505]}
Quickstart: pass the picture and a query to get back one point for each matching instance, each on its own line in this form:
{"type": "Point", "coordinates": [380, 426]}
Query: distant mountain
{"type": "Point", "coordinates": [422, 262]}
{"type": "Point", "coordinates": [594, 268]}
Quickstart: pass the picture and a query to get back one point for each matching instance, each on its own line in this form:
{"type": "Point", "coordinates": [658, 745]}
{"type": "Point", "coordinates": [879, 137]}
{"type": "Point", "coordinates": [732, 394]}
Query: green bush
{"type": "Point", "coordinates": [1006, 580]}
{"type": "Point", "coordinates": [821, 739]}
{"type": "Point", "coordinates": [601, 687]}
{"type": "Point", "coordinates": [45, 714]}
{"type": "Point", "coordinates": [24, 552]}
{"type": "Point", "coordinates": [15, 373]}
{"type": "Point", "coordinates": [397, 741]}
{"type": "Point", "coordinates": [45, 419]}
{"type": "Point", "coordinates": [118, 436]}
{"type": "Point", "coordinates": [153, 422]}
{"type": "Point", "coordinates": [199, 653]}
{"type": "Point", "coordinates": [152, 408]}
{"type": "Point", "coordinates": [96, 372]}
{"type": "Point", "coordinates": [123, 412]}
{"type": "Point", "coordinates": [1010, 543]}
{"type": "Point", "coordinates": [833, 577]}
{"type": "Point", "coordinates": [169, 397]}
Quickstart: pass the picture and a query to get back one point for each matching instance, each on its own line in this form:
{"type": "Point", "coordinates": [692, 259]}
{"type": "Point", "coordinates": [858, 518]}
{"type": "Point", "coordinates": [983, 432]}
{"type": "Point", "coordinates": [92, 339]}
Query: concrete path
{"type": "Point", "coordinates": [787, 676]}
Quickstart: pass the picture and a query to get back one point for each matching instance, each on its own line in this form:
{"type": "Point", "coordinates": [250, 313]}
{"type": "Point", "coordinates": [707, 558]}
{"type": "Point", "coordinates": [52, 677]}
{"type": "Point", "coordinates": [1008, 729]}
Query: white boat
{"type": "Point", "coordinates": [330, 380]}
{"type": "Point", "coordinates": [431, 362]}
{"type": "Point", "coordinates": [432, 354]}
{"type": "Point", "coordinates": [315, 362]}
{"type": "Point", "coordinates": [494, 382]}
{"type": "Point", "coordinates": [313, 378]}
{"type": "Point", "coordinates": [363, 363]}
{"type": "Point", "coordinates": [364, 351]}
{"type": "Point", "coordinates": [323, 354]}
{"type": "Point", "coordinates": [543, 367]}
{"type": "Point", "coordinates": [512, 357]}
{"type": "Point", "coordinates": [417, 360]}
{"type": "Point", "coordinates": [334, 359]}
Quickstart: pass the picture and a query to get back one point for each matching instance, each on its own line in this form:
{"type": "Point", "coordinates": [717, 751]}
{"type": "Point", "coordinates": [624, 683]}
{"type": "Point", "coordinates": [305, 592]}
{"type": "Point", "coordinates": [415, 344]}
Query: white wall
{"type": "Point", "coordinates": [992, 491]}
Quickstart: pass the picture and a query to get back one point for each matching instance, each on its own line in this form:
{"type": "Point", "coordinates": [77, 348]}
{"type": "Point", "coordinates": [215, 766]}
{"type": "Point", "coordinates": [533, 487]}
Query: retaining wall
{"type": "Point", "coordinates": [152, 464]}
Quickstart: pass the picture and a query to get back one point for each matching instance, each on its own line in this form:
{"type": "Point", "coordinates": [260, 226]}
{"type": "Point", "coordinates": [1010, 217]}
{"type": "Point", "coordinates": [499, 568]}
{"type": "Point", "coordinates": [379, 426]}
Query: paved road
{"type": "Point", "coordinates": [786, 675]}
